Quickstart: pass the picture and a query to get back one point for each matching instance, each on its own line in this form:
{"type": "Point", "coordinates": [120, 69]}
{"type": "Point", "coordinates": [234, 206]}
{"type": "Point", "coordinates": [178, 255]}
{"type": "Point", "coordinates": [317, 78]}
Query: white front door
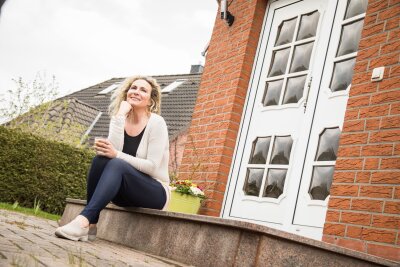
{"type": "Point", "coordinates": [284, 162]}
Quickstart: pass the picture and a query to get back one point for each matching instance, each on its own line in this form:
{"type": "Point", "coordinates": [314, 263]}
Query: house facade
{"type": "Point", "coordinates": [297, 125]}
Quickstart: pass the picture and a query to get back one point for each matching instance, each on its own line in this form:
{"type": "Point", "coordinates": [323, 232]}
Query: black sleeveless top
{"type": "Point", "coordinates": [131, 143]}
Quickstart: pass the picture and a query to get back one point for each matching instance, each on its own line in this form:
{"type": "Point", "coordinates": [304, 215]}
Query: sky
{"type": "Point", "coordinates": [85, 42]}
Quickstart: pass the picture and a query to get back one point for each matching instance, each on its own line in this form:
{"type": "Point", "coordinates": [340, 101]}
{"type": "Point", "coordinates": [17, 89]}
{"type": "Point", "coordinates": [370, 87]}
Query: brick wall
{"type": "Point", "coordinates": [364, 207]}
{"type": "Point", "coordinates": [216, 118]}
{"type": "Point", "coordinates": [176, 148]}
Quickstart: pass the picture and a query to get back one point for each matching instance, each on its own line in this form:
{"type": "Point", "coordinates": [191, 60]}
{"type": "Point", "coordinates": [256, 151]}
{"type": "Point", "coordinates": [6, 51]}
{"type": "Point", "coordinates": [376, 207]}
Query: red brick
{"type": "Point", "coordinates": [329, 239]}
{"type": "Point", "coordinates": [392, 23]}
{"type": "Point", "coordinates": [370, 19]}
{"type": "Point", "coordinates": [393, 11]}
{"type": "Point", "coordinates": [385, 60]}
{"type": "Point", "coordinates": [353, 231]}
{"type": "Point", "coordinates": [390, 122]}
{"type": "Point", "coordinates": [373, 191]}
{"type": "Point", "coordinates": [343, 177]}
{"type": "Point", "coordinates": [395, 109]}
{"type": "Point", "coordinates": [377, 6]}
{"type": "Point", "coordinates": [344, 190]}
{"type": "Point", "coordinates": [374, 111]}
{"type": "Point", "coordinates": [392, 207]}
{"type": "Point", "coordinates": [349, 151]}
{"type": "Point", "coordinates": [390, 163]}
{"type": "Point", "coordinates": [361, 78]}
{"type": "Point", "coordinates": [359, 101]}
{"type": "Point", "coordinates": [352, 244]}
{"type": "Point", "coordinates": [386, 177]}
{"type": "Point", "coordinates": [385, 97]}
{"type": "Point", "coordinates": [361, 66]}
{"type": "Point", "coordinates": [372, 41]}
{"type": "Point", "coordinates": [334, 229]}
{"type": "Point", "coordinates": [367, 205]}
{"type": "Point", "coordinates": [387, 252]}
{"type": "Point", "coordinates": [353, 138]}
{"type": "Point", "coordinates": [397, 192]}
{"type": "Point", "coordinates": [360, 89]}
{"type": "Point", "coordinates": [385, 136]}
{"type": "Point", "coordinates": [371, 234]}
{"type": "Point", "coordinates": [363, 177]}
{"type": "Point", "coordinates": [371, 163]}
{"type": "Point", "coordinates": [372, 124]}
{"type": "Point", "coordinates": [355, 218]}
{"type": "Point", "coordinates": [368, 53]}
{"type": "Point", "coordinates": [372, 30]}
{"type": "Point", "coordinates": [394, 71]}
{"type": "Point", "coordinates": [382, 221]}
{"type": "Point", "coordinates": [349, 164]}
{"type": "Point", "coordinates": [394, 35]}
{"type": "Point", "coordinates": [396, 149]}
{"type": "Point", "coordinates": [332, 216]}
{"type": "Point", "coordinates": [339, 203]}
{"type": "Point", "coordinates": [351, 114]}
{"type": "Point", "coordinates": [353, 126]}
{"type": "Point", "coordinates": [389, 48]}
{"type": "Point", "coordinates": [389, 84]}
{"type": "Point", "coordinates": [377, 150]}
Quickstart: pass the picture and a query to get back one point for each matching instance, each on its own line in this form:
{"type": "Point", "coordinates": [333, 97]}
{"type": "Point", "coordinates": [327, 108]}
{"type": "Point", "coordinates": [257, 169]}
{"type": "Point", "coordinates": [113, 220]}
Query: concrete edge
{"type": "Point", "coordinates": [252, 228]}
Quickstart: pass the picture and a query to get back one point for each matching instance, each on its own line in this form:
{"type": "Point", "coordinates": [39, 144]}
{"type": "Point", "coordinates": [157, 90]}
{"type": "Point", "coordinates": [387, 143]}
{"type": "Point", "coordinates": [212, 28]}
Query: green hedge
{"type": "Point", "coordinates": [34, 168]}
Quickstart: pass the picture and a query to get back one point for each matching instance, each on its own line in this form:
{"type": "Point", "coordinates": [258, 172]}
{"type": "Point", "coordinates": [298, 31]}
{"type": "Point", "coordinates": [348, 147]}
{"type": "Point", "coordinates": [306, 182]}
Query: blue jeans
{"type": "Point", "coordinates": [117, 181]}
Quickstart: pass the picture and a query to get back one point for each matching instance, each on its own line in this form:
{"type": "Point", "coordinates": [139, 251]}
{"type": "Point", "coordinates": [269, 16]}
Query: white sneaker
{"type": "Point", "coordinates": [73, 231]}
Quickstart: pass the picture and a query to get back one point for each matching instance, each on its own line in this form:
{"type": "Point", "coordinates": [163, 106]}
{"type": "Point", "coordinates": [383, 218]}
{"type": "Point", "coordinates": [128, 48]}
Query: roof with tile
{"type": "Point", "coordinates": [176, 106]}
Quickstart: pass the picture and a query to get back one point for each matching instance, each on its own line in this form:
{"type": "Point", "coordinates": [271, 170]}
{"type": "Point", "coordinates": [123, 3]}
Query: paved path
{"type": "Point", "coordinates": [30, 241]}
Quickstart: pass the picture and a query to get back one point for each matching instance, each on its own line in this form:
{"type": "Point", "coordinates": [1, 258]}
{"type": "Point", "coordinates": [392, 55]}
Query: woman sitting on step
{"type": "Point", "coordinates": [131, 166]}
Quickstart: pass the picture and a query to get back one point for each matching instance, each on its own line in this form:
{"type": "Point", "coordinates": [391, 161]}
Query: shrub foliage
{"type": "Point", "coordinates": [32, 167]}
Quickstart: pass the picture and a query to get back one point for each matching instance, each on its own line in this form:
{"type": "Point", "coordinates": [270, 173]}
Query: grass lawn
{"type": "Point", "coordinates": [29, 211]}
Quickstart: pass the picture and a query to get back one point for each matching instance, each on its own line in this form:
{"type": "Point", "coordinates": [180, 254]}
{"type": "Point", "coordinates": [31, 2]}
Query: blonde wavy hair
{"type": "Point", "coordinates": [119, 95]}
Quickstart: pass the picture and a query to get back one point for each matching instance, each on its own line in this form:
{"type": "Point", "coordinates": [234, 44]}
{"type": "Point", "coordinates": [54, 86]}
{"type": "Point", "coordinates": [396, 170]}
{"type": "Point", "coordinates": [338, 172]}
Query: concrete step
{"type": "Point", "coordinates": [209, 241]}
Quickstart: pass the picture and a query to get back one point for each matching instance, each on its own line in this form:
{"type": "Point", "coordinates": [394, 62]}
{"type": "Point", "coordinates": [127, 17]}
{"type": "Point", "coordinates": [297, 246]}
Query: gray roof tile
{"type": "Point", "coordinates": [176, 106]}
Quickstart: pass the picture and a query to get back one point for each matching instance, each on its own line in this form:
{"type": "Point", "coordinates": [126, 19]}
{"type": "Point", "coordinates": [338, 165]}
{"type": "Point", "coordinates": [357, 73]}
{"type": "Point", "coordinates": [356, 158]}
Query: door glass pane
{"type": "Point", "coordinates": [272, 93]}
{"type": "Point", "coordinates": [285, 32]}
{"type": "Point", "coordinates": [350, 38]}
{"type": "Point", "coordinates": [328, 144]}
{"type": "Point", "coordinates": [281, 151]}
{"type": "Point", "coordinates": [294, 89]}
{"type": "Point", "coordinates": [342, 74]}
{"type": "Point", "coordinates": [301, 59]}
{"type": "Point", "coordinates": [321, 182]}
{"type": "Point", "coordinates": [308, 25]}
{"type": "Point", "coordinates": [356, 7]}
{"type": "Point", "coordinates": [253, 181]}
{"type": "Point", "coordinates": [275, 183]}
{"type": "Point", "coordinates": [279, 62]}
{"type": "Point", "coordinates": [260, 150]}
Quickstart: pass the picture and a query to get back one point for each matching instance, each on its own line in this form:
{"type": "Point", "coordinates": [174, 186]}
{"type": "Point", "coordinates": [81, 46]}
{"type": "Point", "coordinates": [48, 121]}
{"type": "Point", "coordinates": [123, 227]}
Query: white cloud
{"type": "Point", "coordinates": [85, 42]}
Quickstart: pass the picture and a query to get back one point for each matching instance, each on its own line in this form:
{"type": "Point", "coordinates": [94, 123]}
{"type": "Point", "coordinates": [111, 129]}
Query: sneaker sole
{"type": "Point", "coordinates": [59, 233]}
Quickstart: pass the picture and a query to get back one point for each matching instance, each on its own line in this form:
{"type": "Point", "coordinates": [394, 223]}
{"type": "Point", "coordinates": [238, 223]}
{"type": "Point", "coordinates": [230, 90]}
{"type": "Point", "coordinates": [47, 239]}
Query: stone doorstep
{"type": "Point", "coordinates": [210, 241]}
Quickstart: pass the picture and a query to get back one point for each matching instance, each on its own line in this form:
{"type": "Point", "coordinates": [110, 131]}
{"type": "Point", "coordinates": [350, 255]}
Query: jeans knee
{"type": "Point", "coordinates": [117, 163]}
{"type": "Point", "coordinates": [99, 160]}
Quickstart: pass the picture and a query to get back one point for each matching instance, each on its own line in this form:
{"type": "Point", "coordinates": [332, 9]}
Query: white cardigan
{"type": "Point", "coordinates": [152, 155]}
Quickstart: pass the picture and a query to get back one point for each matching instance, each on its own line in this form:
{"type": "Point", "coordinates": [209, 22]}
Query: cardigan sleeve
{"type": "Point", "coordinates": [158, 143]}
{"type": "Point", "coordinates": [116, 131]}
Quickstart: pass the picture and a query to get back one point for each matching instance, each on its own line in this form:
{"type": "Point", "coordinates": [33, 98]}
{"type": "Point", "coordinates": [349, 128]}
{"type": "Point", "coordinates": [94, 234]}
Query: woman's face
{"type": "Point", "coordinates": [138, 94]}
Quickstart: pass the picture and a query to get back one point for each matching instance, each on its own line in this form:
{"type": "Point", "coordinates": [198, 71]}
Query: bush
{"type": "Point", "coordinates": [35, 168]}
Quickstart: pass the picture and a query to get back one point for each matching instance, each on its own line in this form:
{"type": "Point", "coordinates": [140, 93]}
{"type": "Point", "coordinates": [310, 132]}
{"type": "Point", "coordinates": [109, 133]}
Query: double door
{"type": "Point", "coordinates": [287, 146]}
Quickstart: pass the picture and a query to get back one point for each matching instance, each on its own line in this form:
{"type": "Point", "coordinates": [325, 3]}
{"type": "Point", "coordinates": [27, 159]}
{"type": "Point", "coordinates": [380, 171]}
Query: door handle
{"type": "Point", "coordinates": [307, 93]}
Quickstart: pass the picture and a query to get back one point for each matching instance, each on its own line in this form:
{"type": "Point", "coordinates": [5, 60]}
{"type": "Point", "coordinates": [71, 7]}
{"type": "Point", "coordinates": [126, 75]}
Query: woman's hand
{"type": "Point", "coordinates": [124, 108]}
{"type": "Point", "coordinates": [104, 148]}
